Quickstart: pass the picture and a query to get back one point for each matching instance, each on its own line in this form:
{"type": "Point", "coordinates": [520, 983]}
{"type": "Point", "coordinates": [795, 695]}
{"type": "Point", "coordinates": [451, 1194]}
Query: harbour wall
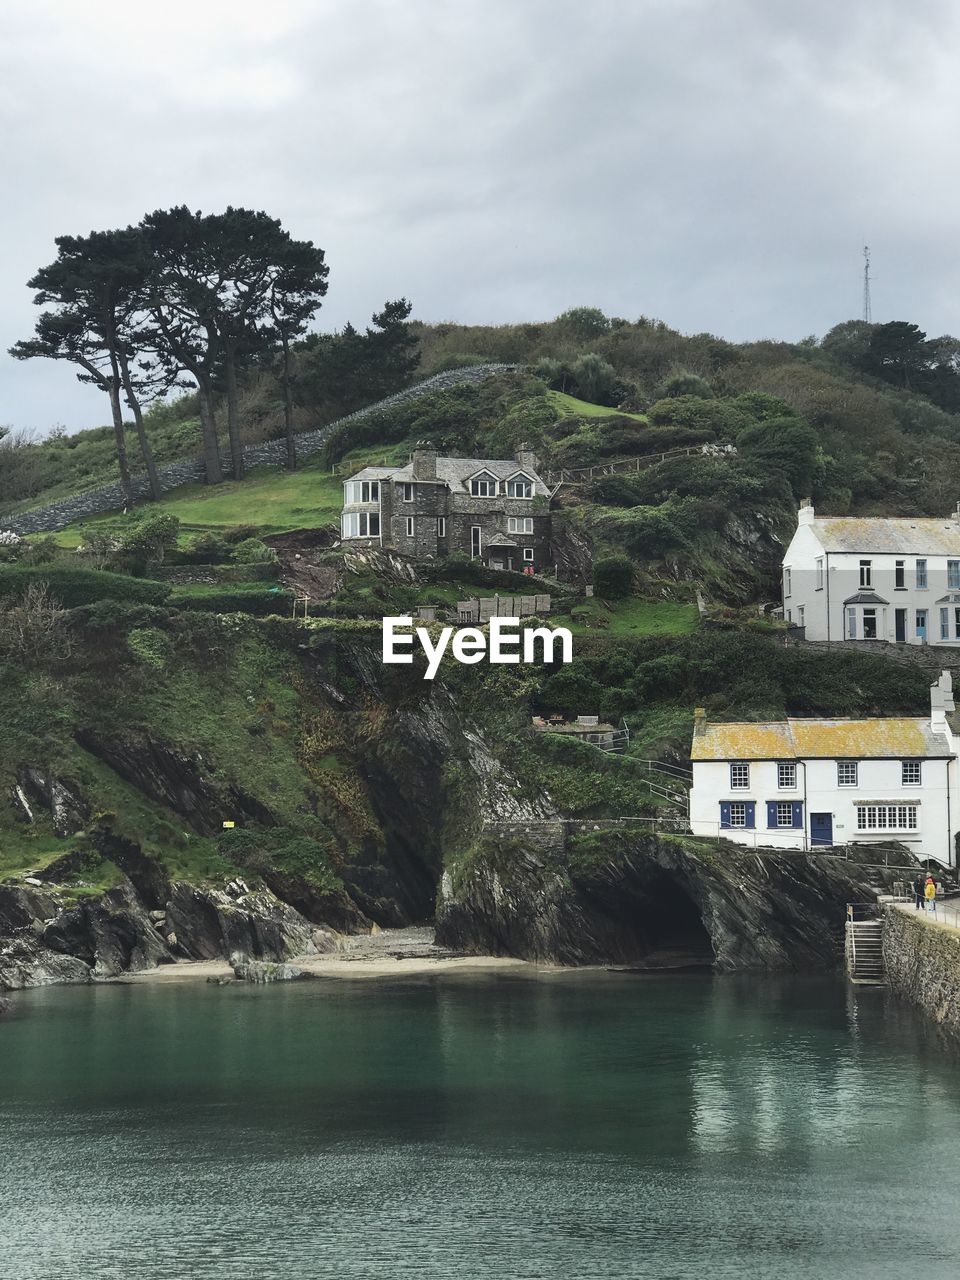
{"type": "Point", "coordinates": [922, 961]}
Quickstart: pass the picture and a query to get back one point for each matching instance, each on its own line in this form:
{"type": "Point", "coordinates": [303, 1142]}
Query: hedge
{"type": "Point", "coordinates": [258, 601]}
{"type": "Point", "coordinates": [74, 587]}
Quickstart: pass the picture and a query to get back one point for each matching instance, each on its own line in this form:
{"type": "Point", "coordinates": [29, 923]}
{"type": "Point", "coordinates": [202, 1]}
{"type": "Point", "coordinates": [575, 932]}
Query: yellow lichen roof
{"type": "Point", "coordinates": [815, 739]}
{"type": "Point", "coordinates": [909, 535]}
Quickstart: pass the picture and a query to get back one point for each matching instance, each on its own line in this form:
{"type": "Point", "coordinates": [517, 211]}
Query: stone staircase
{"type": "Point", "coordinates": [864, 951]}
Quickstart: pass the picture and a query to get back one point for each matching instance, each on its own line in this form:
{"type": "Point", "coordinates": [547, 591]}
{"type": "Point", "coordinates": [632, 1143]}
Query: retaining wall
{"type": "Point", "coordinates": [922, 962]}
{"type": "Point", "coordinates": [57, 515]}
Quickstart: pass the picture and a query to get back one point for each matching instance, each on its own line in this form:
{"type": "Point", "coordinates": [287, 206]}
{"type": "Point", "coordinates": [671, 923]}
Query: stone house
{"type": "Point", "coordinates": [495, 510]}
{"type": "Point", "coordinates": [799, 783]}
{"type": "Point", "coordinates": [874, 578]}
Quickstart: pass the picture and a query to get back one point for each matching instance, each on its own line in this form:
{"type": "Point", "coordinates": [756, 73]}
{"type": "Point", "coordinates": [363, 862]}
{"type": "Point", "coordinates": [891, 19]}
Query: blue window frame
{"type": "Point", "coordinates": [736, 814]}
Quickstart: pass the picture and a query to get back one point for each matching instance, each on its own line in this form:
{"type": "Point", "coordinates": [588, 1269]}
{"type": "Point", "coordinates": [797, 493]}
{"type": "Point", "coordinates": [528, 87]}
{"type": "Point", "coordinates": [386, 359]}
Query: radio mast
{"type": "Point", "coordinates": [866, 284]}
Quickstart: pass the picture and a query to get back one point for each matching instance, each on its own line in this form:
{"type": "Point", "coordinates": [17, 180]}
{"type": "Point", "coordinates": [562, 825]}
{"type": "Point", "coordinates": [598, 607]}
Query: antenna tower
{"type": "Point", "coordinates": [866, 284]}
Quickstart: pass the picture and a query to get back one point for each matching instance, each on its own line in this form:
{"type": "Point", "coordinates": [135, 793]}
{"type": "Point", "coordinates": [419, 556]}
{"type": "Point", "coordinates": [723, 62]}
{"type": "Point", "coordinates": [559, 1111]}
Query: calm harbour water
{"type": "Point", "coordinates": [575, 1125]}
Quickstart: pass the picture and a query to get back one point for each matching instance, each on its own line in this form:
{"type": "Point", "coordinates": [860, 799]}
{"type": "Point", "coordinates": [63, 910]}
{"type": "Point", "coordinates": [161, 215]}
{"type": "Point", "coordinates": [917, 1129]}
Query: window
{"type": "Point", "coordinates": [528, 553]}
{"type": "Point", "coordinates": [406, 491]}
{"type": "Point", "coordinates": [362, 491]}
{"type": "Point", "coordinates": [520, 524]}
{"type": "Point", "coordinates": [786, 581]}
{"type": "Point", "coordinates": [739, 777]}
{"type": "Point", "coordinates": [866, 574]}
{"type": "Point", "coordinates": [786, 774]}
{"type": "Point", "coordinates": [820, 574]}
{"type": "Point", "coordinates": [953, 575]}
{"type": "Point", "coordinates": [900, 575]}
{"type": "Point", "coordinates": [910, 773]}
{"type": "Point", "coordinates": [869, 624]}
{"type": "Point", "coordinates": [476, 541]}
{"type": "Point", "coordinates": [409, 526]}
{"type": "Point", "coordinates": [520, 487]}
{"type": "Point", "coordinates": [846, 773]}
{"type": "Point", "coordinates": [360, 524]}
{"type": "Point", "coordinates": [851, 624]}
{"type": "Point", "coordinates": [956, 623]}
{"type": "Point", "coordinates": [800, 611]}
{"type": "Point", "coordinates": [921, 575]}
{"type": "Point", "coordinates": [738, 813]}
{"type": "Point", "coordinates": [944, 624]}
{"type": "Point", "coordinates": [887, 817]}
{"type": "Point", "coordinates": [484, 486]}
{"type": "Point", "coordinates": [784, 813]}
{"type": "Point", "coordinates": [441, 526]}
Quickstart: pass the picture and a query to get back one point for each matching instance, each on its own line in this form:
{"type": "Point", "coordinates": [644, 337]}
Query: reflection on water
{"type": "Point", "coordinates": [502, 1126]}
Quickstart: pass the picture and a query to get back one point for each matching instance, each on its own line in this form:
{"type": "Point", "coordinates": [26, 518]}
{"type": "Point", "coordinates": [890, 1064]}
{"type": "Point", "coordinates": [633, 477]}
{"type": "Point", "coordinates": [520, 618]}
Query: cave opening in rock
{"type": "Point", "coordinates": [667, 926]}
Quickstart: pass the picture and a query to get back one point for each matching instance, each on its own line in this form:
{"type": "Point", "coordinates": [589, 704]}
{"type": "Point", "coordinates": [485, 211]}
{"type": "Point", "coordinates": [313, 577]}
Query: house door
{"type": "Point", "coordinates": [922, 625]}
{"type": "Point", "coordinates": [821, 827]}
{"type": "Point", "coordinates": [900, 622]}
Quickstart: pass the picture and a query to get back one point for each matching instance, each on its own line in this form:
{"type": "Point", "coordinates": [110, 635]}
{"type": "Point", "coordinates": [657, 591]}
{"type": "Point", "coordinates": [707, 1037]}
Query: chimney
{"type": "Point", "coordinates": [699, 722]}
{"type": "Point", "coordinates": [526, 458]}
{"type": "Point", "coordinates": [805, 515]}
{"type": "Point", "coordinates": [424, 464]}
{"type": "Point", "coordinates": [941, 702]}
{"type": "Point", "coordinates": [956, 515]}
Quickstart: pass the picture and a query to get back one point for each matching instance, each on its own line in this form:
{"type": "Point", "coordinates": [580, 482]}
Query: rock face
{"type": "Point", "coordinates": [262, 971]}
{"type": "Point", "coordinates": [36, 786]}
{"type": "Point", "coordinates": [112, 934]}
{"type": "Point", "coordinates": [647, 899]}
{"type": "Point", "coordinates": [207, 923]}
{"type": "Point", "coordinates": [25, 962]}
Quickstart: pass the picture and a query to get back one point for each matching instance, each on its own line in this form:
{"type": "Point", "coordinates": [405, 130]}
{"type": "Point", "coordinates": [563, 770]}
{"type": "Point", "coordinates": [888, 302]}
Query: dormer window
{"type": "Point", "coordinates": [520, 486]}
{"type": "Point", "coordinates": [484, 485]}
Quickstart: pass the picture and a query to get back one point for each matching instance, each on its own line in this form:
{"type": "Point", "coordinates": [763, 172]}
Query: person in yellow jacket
{"type": "Point", "coordinates": [930, 893]}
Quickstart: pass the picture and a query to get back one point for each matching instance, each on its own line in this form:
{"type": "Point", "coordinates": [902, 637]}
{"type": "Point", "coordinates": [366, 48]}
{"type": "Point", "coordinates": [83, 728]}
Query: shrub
{"type": "Point", "coordinates": [40, 551]}
{"type": "Point", "coordinates": [253, 551]}
{"type": "Point", "coordinates": [260, 601]}
{"type": "Point", "coordinates": [152, 538]}
{"type": "Point", "coordinates": [240, 533]}
{"type": "Point", "coordinates": [613, 577]}
{"type": "Point", "coordinates": [684, 383]}
{"type": "Point", "coordinates": [209, 548]}
{"type": "Point", "coordinates": [151, 646]}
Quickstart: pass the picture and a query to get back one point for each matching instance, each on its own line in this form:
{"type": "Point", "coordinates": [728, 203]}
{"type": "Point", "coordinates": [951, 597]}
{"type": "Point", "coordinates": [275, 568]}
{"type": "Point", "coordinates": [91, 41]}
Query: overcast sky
{"type": "Point", "coordinates": [717, 166]}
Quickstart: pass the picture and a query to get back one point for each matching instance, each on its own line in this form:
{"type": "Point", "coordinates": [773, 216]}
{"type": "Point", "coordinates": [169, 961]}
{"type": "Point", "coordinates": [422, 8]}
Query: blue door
{"type": "Point", "coordinates": [821, 828]}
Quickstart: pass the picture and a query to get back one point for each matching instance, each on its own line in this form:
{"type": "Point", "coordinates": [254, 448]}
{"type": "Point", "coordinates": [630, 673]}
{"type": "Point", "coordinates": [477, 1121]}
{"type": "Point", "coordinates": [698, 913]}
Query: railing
{"type": "Point", "coordinates": [624, 466]}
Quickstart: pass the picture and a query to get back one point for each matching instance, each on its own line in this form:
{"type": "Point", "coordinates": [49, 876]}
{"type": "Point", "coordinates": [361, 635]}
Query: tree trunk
{"type": "Point", "coordinates": [113, 391]}
{"type": "Point", "coordinates": [288, 408]}
{"type": "Point", "coordinates": [208, 423]}
{"type": "Point", "coordinates": [233, 422]}
{"type": "Point", "coordinates": [146, 452]}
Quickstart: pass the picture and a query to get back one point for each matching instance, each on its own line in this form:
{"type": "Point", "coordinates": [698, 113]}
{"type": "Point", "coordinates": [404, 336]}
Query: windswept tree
{"type": "Point", "coordinates": [224, 286]}
{"type": "Point", "coordinates": [94, 289]}
{"type": "Point", "coordinates": [296, 288]}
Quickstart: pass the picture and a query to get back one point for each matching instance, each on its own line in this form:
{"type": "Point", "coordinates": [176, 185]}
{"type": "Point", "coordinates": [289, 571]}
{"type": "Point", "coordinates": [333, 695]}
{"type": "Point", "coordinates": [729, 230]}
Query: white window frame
{"type": "Point", "coordinates": [911, 773]}
{"type": "Point", "coordinates": [853, 773]}
{"type": "Point", "coordinates": [866, 573]}
{"type": "Point", "coordinates": [851, 623]}
{"type": "Point", "coordinates": [784, 807]}
{"type": "Point", "coordinates": [519, 524]}
{"type": "Point", "coordinates": [888, 817]}
{"type": "Point", "coordinates": [441, 526]}
{"type": "Point", "coordinates": [484, 485]}
{"type": "Point", "coordinates": [522, 482]}
{"type": "Point", "coordinates": [921, 570]}
{"type": "Point", "coordinates": [360, 524]}
{"type": "Point", "coordinates": [900, 575]}
{"type": "Point", "coordinates": [738, 813]}
{"type": "Point", "coordinates": [358, 491]}
{"type": "Point", "coordinates": [819, 564]}
{"type": "Point", "coordinates": [944, 624]}
{"type": "Point", "coordinates": [786, 769]}
{"type": "Point", "coordinates": [953, 575]}
{"type": "Point", "coordinates": [528, 553]}
{"type": "Point", "coordinates": [410, 526]}
{"type": "Point", "coordinates": [406, 491]}
{"type": "Point", "coordinates": [870, 615]}
{"type": "Point", "coordinates": [739, 777]}
{"type": "Point", "coordinates": [787, 580]}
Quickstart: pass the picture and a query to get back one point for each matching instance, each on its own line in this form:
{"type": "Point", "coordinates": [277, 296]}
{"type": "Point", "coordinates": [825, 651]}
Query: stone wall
{"type": "Point", "coordinates": [57, 515]}
{"type": "Point", "coordinates": [922, 962]}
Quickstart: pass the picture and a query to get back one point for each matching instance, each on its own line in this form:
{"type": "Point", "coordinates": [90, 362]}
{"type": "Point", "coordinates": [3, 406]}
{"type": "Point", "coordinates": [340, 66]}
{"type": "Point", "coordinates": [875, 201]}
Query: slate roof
{"type": "Point", "coordinates": [906, 536]}
{"type": "Point", "coordinates": [890, 737]}
{"type": "Point", "coordinates": [455, 472]}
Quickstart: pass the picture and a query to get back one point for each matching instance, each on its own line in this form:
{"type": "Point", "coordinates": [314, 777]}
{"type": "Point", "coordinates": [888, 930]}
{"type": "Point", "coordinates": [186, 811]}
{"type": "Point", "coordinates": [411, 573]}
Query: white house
{"type": "Point", "coordinates": [798, 783]}
{"type": "Point", "coordinates": [866, 578]}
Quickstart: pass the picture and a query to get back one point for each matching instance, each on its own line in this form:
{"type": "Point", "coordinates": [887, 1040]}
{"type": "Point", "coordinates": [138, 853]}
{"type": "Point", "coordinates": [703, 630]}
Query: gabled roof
{"type": "Point", "coordinates": [456, 473]}
{"type": "Point", "coordinates": [889, 737]}
{"type": "Point", "coordinates": [908, 536]}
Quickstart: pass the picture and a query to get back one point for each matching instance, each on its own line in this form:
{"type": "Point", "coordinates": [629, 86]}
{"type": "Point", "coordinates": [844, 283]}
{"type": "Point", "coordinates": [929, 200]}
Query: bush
{"type": "Point", "coordinates": [73, 587]}
{"type": "Point", "coordinates": [253, 551]}
{"type": "Point", "coordinates": [208, 548]}
{"type": "Point", "coordinates": [613, 577]}
{"type": "Point", "coordinates": [40, 551]}
{"type": "Point", "coordinates": [152, 538]}
{"type": "Point", "coordinates": [240, 533]}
